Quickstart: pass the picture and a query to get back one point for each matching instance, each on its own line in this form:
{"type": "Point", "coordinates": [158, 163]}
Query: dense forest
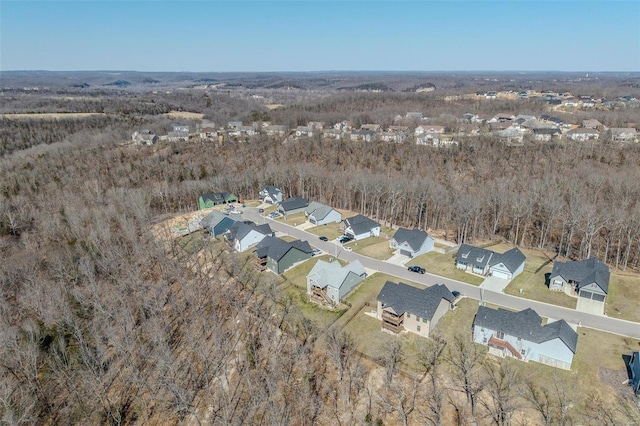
{"type": "Point", "coordinates": [106, 322]}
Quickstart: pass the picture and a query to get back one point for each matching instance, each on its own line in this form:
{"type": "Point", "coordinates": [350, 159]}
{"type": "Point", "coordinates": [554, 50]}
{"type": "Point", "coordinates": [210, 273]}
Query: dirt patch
{"type": "Point", "coordinates": [273, 106]}
{"type": "Point", "coordinates": [617, 380]}
{"type": "Point", "coordinates": [185, 115]}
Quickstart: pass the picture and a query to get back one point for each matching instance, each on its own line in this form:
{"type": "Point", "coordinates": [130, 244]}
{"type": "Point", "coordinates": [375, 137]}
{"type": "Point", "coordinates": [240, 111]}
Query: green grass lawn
{"type": "Point", "coordinates": [330, 230]}
{"type": "Point", "coordinates": [374, 247]}
{"type": "Point", "coordinates": [623, 297]}
{"type": "Point", "coordinates": [294, 219]}
{"type": "Point", "coordinates": [444, 265]}
{"type": "Point", "coordinates": [270, 209]}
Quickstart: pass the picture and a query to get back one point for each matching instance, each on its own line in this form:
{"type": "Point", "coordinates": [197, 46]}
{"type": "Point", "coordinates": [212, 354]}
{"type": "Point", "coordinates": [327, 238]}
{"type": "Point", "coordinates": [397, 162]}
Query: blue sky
{"type": "Point", "coordinates": [219, 36]}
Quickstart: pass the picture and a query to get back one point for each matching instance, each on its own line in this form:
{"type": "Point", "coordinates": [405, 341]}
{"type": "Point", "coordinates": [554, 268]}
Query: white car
{"type": "Point", "coordinates": [348, 249]}
{"type": "Point", "coordinates": [236, 212]}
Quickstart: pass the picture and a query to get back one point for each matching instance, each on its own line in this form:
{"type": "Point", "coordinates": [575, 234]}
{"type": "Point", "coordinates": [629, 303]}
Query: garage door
{"type": "Point", "coordinates": [500, 274]}
{"type": "Point", "coordinates": [405, 253]}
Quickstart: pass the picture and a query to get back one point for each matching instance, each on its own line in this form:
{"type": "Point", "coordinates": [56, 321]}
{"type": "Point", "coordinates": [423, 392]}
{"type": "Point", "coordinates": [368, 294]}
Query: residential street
{"type": "Point", "coordinates": [611, 325]}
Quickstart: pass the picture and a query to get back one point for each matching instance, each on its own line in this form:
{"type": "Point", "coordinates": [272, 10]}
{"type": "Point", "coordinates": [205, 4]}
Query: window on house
{"type": "Point", "coordinates": [484, 340]}
{"type": "Point", "coordinates": [519, 339]}
{"type": "Point", "coordinates": [424, 320]}
{"type": "Point", "coordinates": [408, 315]}
{"type": "Point", "coordinates": [418, 329]}
{"type": "Point", "coordinates": [522, 351]}
{"type": "Point", "coordinates": [500, 335]}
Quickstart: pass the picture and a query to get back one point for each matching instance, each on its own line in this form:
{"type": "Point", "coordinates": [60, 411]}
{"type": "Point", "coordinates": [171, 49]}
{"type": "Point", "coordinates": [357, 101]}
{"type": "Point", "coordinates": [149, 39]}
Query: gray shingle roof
{"type": "Point", "coordinates": [332, 274]}
{"type": "Point", "coordinates": [414, 237]}
{"type": "Point", "coordinates": [239, 230]}
{"type": "Point", "coordinates": [214, 218]}
{"type": "Point", "coordinates": [294, 203]}
{"type": "Point", "coordinates": [421, 302]}
{"type": "Point", "coordinates": [526, 325]}
{"type": "Point", "coordinates": [318, 210]}
{"type": "Point", "coordinates": [583, 272]}
{"type": "Point", "coordinates": [275, 248]}
{"type": "Point", "coordinates": [216, 197]}
{"type": "Point", "coordinates": [361, 224]}
{"type": "Point", "coordinates": [477, 256]}
{"type": "Point", "coordinates": [512, 259]}
{"type": "Point", "coordinates": [270, 190]}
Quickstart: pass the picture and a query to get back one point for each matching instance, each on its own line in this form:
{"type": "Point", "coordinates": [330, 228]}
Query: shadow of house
{"type": "Point", "coordinates": [547, 279]}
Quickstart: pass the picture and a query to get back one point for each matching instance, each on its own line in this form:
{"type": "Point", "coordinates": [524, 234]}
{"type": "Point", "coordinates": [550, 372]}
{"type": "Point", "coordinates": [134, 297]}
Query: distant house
{"type": "Point", "coordinates": [270, 194]}
{"type": "Point", "coordinates": [144, 137]}
{"type": "Point", "coordinates": [279, 255]}
{"type": "Point", "coordinates": [481, 261]}
{"type": "Point", "coordinates": [332, 134]}
{"type": "Point", "coordinates": [363, 135]}
{"type": "Point", "coordinates": [372, 127]}
{"type": "Point", "coordinates": [634, 369]}
{"type": "Point", "coordinates": [179, 133]}
{"type": "Point", "coordinates": [623, 134]}
{"type": "Point", "coordinates": [359, 227]}
{"type": "Point", "coordinates": [522, 336]}
{"type": "Point", "coordinates": [428, 129]}
{"type": "Point", "coordinates": [234, 124]}
{"type": "Point", "coordinates": [275, 130]}
{"type": "Point", "coordinates": [217, 223]}
{"type": "Point", "coordinates": [208, 133]}
{"type": "Point", "coordinates": [316, 125]}
{"type": "Point", "coordinates": [304, 131]}
{"type": "Point", "coordinates": [395, 137]}
{"type": "Point", "coordinates": [403, 308]}
{"type": "Point", "coordinates": [592, 123]}
{"type": "Point", "coordinates": [411, 242]}
{"type": "Point", "coordinates": [293, 205]}
{"type": "Point", "coordinates": [582, 134]}
{"type": "Point", "coordinates": [246, 235]}
{"type": "Point", "coordinates": [546, 134]}
{"type": "Point", "coordinates": [329, 282]}
{"type": "Point", "coordinates": [344, 126]}
{"type": "Point", "coordinates": [588, 279]}
{"type": "Point", "coordinates": [549, 119]}
{"type": "Point", "coordinates": [206, 201]}
{"type": "Point", "coordinates": [320, 214]}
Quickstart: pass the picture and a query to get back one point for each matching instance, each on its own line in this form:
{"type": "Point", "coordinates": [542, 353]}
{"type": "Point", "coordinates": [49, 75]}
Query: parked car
{"type": "Point", "coordinates": [416, 268]}
{"type": "Point", "coordinates": [315, 251]}
{"type": "Point", "coordinates": [323, 238]}
{"type": "Point", "coordinates": [456, 294]}
{"type": "Point", "coordinates": [345, 239]}
{"type": "Point", "coordinates": [260, 210]}
{"type": "Point", "coordinates": [348, 249]}
{"type": "Point", "coordinates": [236, 212]}
{"type": "Point", "coordinates": [273, 215]}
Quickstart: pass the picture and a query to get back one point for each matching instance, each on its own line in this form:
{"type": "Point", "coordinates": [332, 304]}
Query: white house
{"type": "Point", "coordinates": [359, 227]}
{"type": "Point", "coordinates": [320, 214]}
{"type": "Point", "coordinates": [245, 236]}
{"type": "Point", "coordinates": [521, 335]}
{"type": "Point", "coordinates": [329, 282]}
{"type": "Point", "coordinates": [481, 261]}
{"type": "Point", "coordinates": [270, 194]}
{"type": "Point", "coordinates": [411, 242]}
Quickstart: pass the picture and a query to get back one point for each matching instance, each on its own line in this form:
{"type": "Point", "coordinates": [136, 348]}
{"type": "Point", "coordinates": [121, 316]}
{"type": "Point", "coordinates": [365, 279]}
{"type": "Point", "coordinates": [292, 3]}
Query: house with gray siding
{"type": "Point", "coordinates": [359, 227]}
{"type": "Point", "coordinates": [482, 261]}
{"type": "Point", "coordinates": [329, 282]}
{"type": "Point", "coordinates": [217, 223]}
{"type": "Point", "coordinates": [634, 370]}
{"type": "Point", "coordinates": [587, 279]}
{"type": "Point", "coordinates": [279, 255]}
{"type": "Point", "coordinates": [522, 336]}
{"type": "Point", "coordinates": [321, 214]}
{"type": "Point", "coordinates": [270, 194]}
{"type": "Point", "coordinates": [293, 205]}
{"type": "Point", "coordinates": [404, 308]}
{"type": "Point", "coordinates": [244, 236]}
{"type": "Point", "coordinates": [411, 242]}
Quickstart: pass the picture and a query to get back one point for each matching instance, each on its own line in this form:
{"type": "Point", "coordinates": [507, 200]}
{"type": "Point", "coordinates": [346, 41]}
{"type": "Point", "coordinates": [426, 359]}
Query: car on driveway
{"type": "Point", "coordinates": [456, 294]}
{"type": "Point", "coordinates": [345, 239]}
{"type": "Point", "coordinates": [260, 210]}
{"type": "Point", "coordinates": [315, 251]}
{"type": "Point", "coordinates": [348, 249]}
{"type": "Point", "coordinates": [323, 238]}
{"type": "Point", "coordinates": [273, 215]}
{"type": "Point", "coordinates": [416, 268]}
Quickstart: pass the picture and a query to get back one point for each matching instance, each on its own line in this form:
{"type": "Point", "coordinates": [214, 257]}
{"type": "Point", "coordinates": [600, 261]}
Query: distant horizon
{"type": "Point", "coordinates": [308, 36]}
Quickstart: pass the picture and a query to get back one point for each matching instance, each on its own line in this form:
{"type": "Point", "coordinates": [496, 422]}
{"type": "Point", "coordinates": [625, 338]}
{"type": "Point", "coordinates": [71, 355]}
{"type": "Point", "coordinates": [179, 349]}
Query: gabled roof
{"type": "Point", "coordinates": [415, 238]}
{"type": "Point", "coordinates": [216, 197]}
{"type": "Point", "coordinates": [318, 210]}
{"type": "Point", "coordinates": [294, 203]}
{"type": "Point", "coordinates": [332, 274]}
{"type": "Point", "coordinates": [270, 190]}
{"type": "Point", "coordinates": [360, 224]}
{"type": "Point", "coordinates": [583, 272]}
{"type": "Point", "coordinates": [526, 325]}
{"type": "Point", "coordinates": [422, 302]}
{"type": "Point", "coordinates": [275, 248]}
{"type": "Point", "coordinates": [477, 256]}
{"type": "Point", "coordinates": [239, 230]}
{"type": "Point", "coordinates": [214, 218]}
{"type": "Point", "coordinates": [511, 259]}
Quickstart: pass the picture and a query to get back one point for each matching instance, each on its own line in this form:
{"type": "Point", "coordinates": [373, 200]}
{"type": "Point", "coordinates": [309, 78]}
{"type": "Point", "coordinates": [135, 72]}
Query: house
{"type": "Point", "coordinates": [411, 242]}
{"type": "Point", "coordinates": [478, 260]}
{"type": "Point", "coordinates": [428, 129]}
{"type": "Point", "coordinates": [510, 136]}
{"type": "Point", "coordinates": [404, 308]}
{"type": "Point", "coordinates": [588, 279]}
{"type": "Point", "coordinates": [246, 235]}
{"type": "Point", "coordinates": [582, 134]}
{"type": "Point", "coordinates": [144, 137]}
{"type": "Point", "coordinates": [546, 134]}
{"type": "Point", "coordinates": [572, 102]}
{"type": "Point", "coordinates": [293, 205]}
{"type": "Point", "coordinates": [344, 126]}
{"type": "Point", "coordinates": [521, 335]}
{"type": "Point", "coordinates": [234, 124]}
{"type": "Point", "coordinates": [217, 223]}
{"type": "Point", "coordinates": [179, 133]}
{"type": "Point", "coordinates": [329, 282]}
{"type": "Point", "coordinates": [634, 369]}
{"type": "Point", "coordinates": [372, 127]}
{"type": "Point", "coordinates": [359, 227]}
{"type": "Point", "coordinates": [320, 214]}
{"type": "Point", "coordinates": [396, 137]}
{"type": "Point", "coordinates": [208, 133]}
{"type": "Point", "coordinates": [592, 123]}
{"type": "Point", "coordinates": [275, 130]}
{"type": "Point", "coordinates": [332, 134]}
{"type": "Point", "coordinates": [304, 131]}
{"type": "Point", "coordinates": [623, 134]}
{"type": "Point", "coordinates": [316, 125]}
{"type": "Point", "coordinates": [279, 255]}
{"type": "Point", "coordinates": [413, 116]}
{"type": "Point", "coordinates": [548, 119]}
{"type": "Point", "coordinates": [206, 201]}
{"type": "Point", "coordinates": [270, 194]}
{"type": "Point", "coordinates": [363, 136]}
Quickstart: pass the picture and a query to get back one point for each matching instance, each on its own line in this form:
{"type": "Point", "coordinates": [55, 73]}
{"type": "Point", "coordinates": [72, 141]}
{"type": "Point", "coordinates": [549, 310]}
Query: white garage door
{"type": "Point", "coordinates": [499, 274]}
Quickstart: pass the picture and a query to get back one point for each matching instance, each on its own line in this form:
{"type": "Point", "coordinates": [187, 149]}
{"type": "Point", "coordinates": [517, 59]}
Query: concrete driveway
{"type": "Point", "coordinates": [398, 259]}
{"type": "Point", "coordinates": [494, 284]}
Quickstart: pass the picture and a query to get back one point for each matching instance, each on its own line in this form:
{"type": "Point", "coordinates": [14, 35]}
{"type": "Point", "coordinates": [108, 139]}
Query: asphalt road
{"type": "Point", "coordinates": [608, 324]}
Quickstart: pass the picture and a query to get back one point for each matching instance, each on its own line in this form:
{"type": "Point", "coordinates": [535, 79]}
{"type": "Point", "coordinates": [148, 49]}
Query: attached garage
{"type": "Point", "coordinates": [501, 274]}
{"type": "Point", "coordinates": [406, 253]}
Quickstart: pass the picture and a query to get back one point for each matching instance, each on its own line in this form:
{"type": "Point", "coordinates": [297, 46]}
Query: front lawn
{"type": "Point", "coordinates": [445, 266]}
{"type": "Point", "coordinates": [623, 297]}
{"type": "Point", "coordinates": [330, 230]}
{"type": "Point", "coordinates": [374, 247]}
{"type": "Point", "coordinates": [294, 219]}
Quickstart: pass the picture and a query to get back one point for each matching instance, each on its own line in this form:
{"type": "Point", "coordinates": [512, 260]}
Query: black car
{"type": "Point", "coordinates": [416, 268]}
{"type": "Point", "coordinates": [323, 238]}
{"type": "Point", "coordinates": [455, 294]}
{"type": "Point", "coordinates": [345, 239]}
{"type": "Point", "coordinates": [260, 210]}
